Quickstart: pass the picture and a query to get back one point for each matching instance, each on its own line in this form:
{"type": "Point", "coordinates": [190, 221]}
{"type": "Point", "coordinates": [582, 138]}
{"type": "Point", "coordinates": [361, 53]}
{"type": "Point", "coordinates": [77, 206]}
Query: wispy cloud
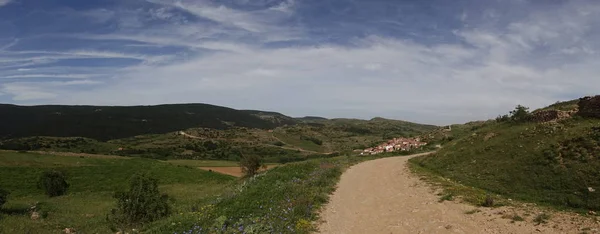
{"type": "Point", "coordinates": [432, 62]}
{"type": "Point", "coordinates": [4, 2]}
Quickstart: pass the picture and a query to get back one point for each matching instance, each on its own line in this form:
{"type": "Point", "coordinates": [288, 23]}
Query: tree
{"type": "Point", "coordinates": [250, 164]}
{"type": "Point", "coordinates": [54, 183]}
{"type": "Point", "coordinates": [143, 202]}
{"type": "Point", "coordinates": [520, 114]}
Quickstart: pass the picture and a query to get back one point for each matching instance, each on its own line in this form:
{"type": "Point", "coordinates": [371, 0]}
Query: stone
{"type": "Point", "coordinates": [35, 215]}
{"type": "Point", "coordinates": [69, 231]}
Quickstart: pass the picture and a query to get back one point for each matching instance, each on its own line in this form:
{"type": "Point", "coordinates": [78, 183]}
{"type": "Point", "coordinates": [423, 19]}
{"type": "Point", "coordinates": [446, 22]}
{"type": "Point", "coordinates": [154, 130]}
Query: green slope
{"type": "Point", "coordinates": [556, 163]}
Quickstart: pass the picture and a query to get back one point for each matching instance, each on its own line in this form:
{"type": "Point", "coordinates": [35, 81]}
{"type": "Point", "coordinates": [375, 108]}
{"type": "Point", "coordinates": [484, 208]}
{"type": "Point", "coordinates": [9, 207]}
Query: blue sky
{"type": "Point", "coordinates": [431, 61]}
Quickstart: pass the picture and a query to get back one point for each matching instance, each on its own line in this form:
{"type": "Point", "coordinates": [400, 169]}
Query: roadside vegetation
{"type": "Point", "coordinates": [285, 199]}
{"type": "Point", "coordinates": [554, 163]}
{"type": "Point", "coordinates": [122, 194]}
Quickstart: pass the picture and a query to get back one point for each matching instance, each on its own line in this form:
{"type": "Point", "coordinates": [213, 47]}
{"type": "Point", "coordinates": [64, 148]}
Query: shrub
{"type": "Point", "coordinates": [143, 202]}
{"type": "Point", "coordinates": [54, 183]}
{"type": "Point", "coordinates": [3, 196]}
{"type": "Point", "coordinates": [250, 164]}
{"type": "Point", "coordinates": [541, 218]}
{"type": "Point", "coordinates": [488, 201]}
{"type": "Point", "coordinates": [502, 118]}
{"type": "Point", "coordinates": [312, 139]}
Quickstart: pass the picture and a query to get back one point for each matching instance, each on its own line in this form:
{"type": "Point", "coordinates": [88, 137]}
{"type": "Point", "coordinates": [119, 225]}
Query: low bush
{"type": "Point", "coordinates": [143, 203]}
{"type": "Point", "coordinates": [54, 183]}
{"type": "Point", "coordinates": [488, 201]}
{"type": "Point", "coordinates": [3, 197]}
{"type": "Point", "coordinates": [541, 218]}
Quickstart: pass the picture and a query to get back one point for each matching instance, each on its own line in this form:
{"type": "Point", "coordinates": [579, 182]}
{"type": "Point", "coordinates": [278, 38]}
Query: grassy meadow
{"type": "Point", "coordinates": [90, 197]}
{"type": "Point", "coordinates": [285, 199]}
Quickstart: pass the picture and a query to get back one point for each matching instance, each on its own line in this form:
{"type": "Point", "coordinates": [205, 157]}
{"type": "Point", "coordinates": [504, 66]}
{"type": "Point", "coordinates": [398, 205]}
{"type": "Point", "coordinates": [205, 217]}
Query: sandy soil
{"type": "Point", "coordinates": [382, 196]}
{"type": "Point", "coordinates": [232, 171]}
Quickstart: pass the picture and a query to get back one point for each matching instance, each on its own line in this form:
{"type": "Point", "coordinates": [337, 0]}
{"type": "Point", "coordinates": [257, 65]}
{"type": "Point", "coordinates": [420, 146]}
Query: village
{"type": "Point", "coordinates": [396, 144]}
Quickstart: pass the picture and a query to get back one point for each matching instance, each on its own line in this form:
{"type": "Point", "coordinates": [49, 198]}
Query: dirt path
{"type": "Point", "coordinates": [382, 196]}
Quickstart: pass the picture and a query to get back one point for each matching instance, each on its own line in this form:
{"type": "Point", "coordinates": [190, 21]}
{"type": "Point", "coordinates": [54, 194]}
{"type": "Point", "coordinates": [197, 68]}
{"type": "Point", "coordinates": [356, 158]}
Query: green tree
{"type": "Point", "coordinates": [143, 202]}
{"type": "Point", "coordinates": [54, 183]}
{"type": "Point", "coordinates": [520, 114]}
{"type": "Point", "coordinates": [250, 164]}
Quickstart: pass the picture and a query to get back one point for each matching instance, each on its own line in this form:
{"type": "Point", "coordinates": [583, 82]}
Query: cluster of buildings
{"type": "Point", "coordinates": [396, 144]}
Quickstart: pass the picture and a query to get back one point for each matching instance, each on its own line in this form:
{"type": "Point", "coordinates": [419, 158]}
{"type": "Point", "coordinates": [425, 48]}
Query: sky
{"type": "Point", "coordinates": [427, 61]}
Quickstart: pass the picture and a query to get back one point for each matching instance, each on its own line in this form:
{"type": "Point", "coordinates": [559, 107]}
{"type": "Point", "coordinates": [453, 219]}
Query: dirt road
{"type": "Point", "coordinates": [382, 196]}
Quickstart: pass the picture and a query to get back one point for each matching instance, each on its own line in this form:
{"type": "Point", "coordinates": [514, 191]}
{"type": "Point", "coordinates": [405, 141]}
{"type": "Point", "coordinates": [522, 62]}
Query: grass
{"type": "Point", "coordinates": [549, 164]}
{"type": "Point", "coordinates": [468, 194]}
{"type": "Point", "coordinates": [285, 199]}
{"type": "Point", "coordinates": [447, 197]}
{"type": "Point", "coordinates": [93, 183]}
{"type": "Point", "coordinates": [208, 163]}
{"type": "Point", "coordinates": [204, 163]}
{"type": "Point", "coordinates": [473, 211]}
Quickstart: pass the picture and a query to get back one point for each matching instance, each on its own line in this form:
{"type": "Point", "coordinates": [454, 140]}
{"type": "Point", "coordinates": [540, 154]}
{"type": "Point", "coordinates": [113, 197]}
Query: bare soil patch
{"type": "Point", "coordinates": [232, 171]}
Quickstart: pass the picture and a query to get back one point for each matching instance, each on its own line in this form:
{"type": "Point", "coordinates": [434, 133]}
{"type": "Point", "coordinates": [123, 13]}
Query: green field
{"type": "Point", "coordinates": [93, 183]}
{"type": "Point", "coordinates": [285, 199]}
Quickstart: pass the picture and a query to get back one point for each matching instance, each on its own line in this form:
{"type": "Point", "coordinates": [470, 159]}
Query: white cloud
{"type": "Point", "coordinates": [66, 76]}
{"type": "Point", "coordinates": [26, 92]}
{"type": "Point", "coordinates": [4, 2]}
{"type": "Point", "coordinates": [547, 56]}
{"type": "Point", "coordinates": [418, 82]}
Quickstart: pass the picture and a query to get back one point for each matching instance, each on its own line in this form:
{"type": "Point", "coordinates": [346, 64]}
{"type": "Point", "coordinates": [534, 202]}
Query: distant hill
{"type": "Point", "coordinates": [551, 157]}
{"type": "Point", "coordinates": [210, 132]}
{"type": "Point", "coordinates": [112, 122]}
{"type": "Point", "coordinates": [311, 118]}
{"type": "Point", "coordinates": [273, 117]}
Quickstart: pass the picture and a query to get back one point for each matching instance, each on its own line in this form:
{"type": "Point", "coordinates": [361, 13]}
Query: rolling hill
{"type": "Point", "coordinates": [550, 157]}
{"type": "Point", "coordinates": [113, 122]}
{"type": "Point", "coordinates": [209, 132]}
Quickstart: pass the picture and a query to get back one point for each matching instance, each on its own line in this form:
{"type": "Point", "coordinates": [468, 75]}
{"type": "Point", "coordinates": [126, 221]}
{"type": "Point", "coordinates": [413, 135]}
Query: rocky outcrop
{"type": "Point", "coordinates": [550, 115]}
{"type": "Point", "coordinates": [589, 107]}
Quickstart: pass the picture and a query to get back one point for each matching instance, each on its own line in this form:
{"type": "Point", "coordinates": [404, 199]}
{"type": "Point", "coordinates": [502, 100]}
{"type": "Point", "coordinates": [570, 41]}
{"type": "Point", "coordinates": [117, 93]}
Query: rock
{"type": "Point", "coordinates": [591, 212]}
{"type": "Point", "coordinates": [69, 231]}
{"type": "Point", "coordinates": [591, 189]}
{"type": "Point", "coordinates": [550, 115]}
{"type": "Point", "coordinates": [35, 215]}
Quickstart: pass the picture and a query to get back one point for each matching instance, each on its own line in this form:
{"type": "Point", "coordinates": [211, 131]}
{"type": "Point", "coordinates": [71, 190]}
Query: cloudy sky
{"type": "Point", "coordinates": [430, 61]}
